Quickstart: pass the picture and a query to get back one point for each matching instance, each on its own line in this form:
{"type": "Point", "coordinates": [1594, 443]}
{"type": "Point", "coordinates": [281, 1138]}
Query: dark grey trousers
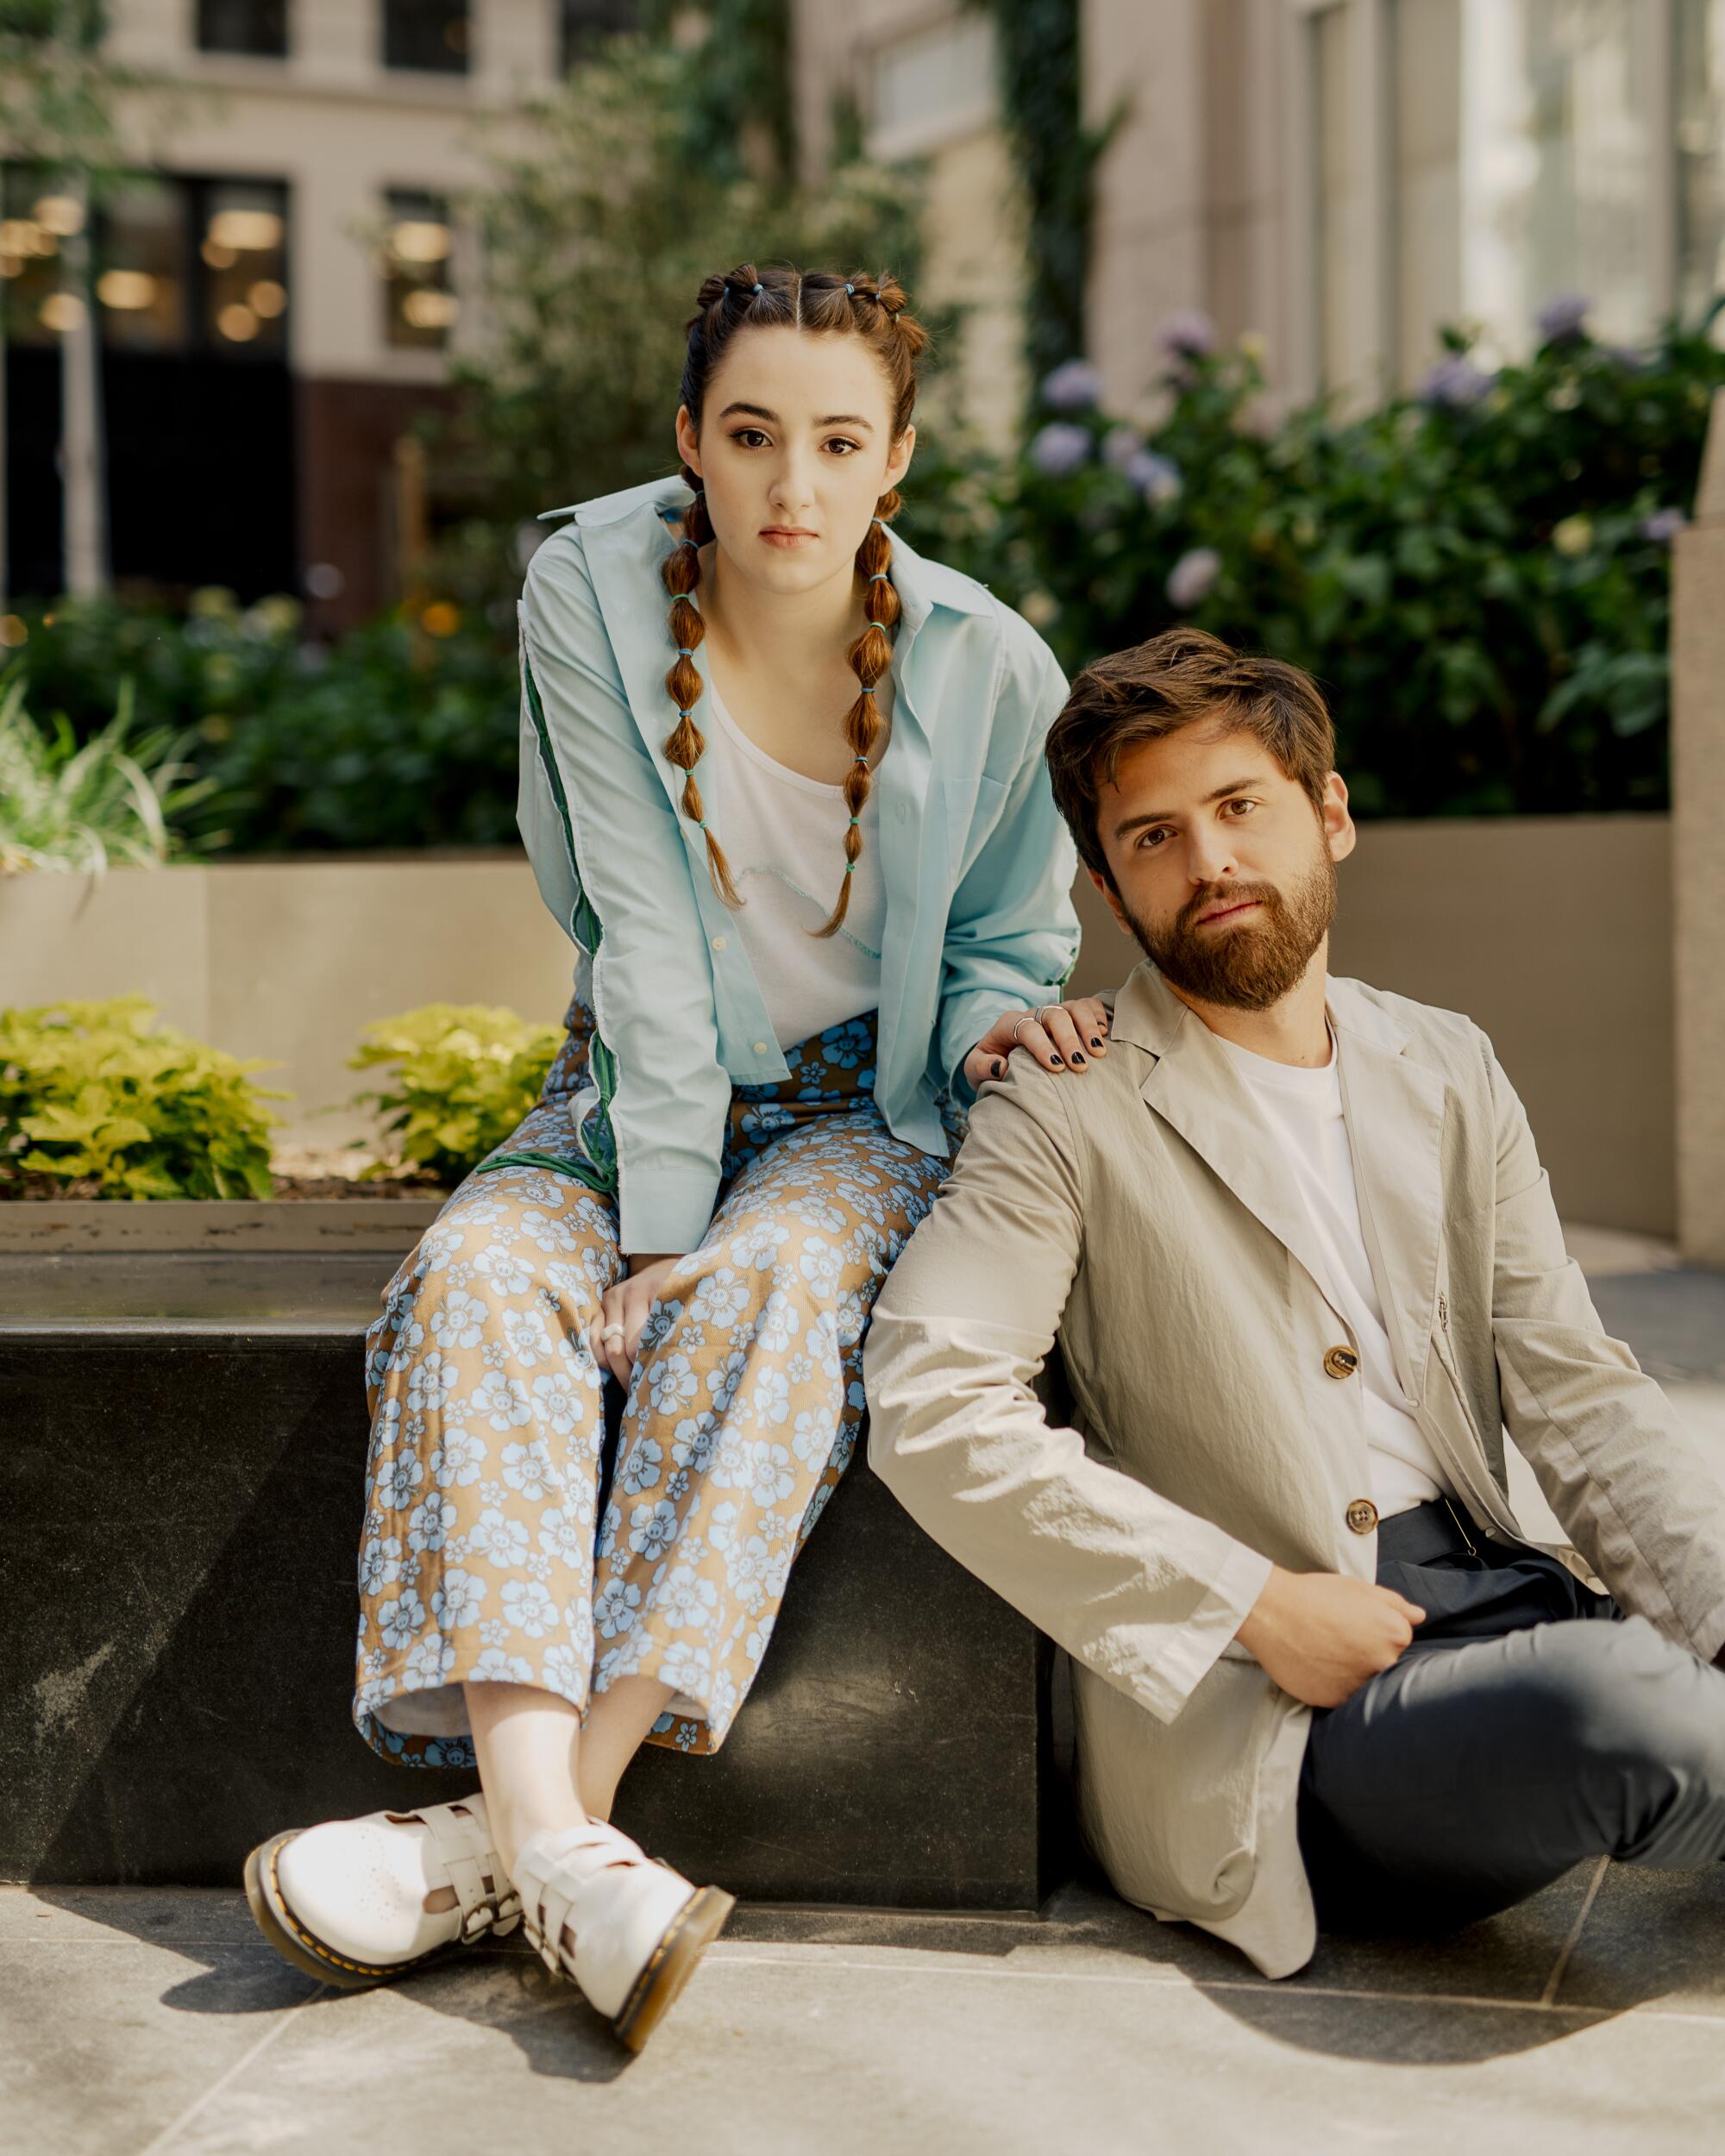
{"type": "Point", "coordinates": [1530, 1725]}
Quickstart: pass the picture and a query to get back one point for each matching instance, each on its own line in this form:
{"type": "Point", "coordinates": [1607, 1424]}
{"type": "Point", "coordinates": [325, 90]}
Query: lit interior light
{"type": "Point", "coordinates": [247, 231]}
{"type": "Point", "coordinates": [237, 323]}
{"type": "Point", "coordinates": [218, 257]}
{"type": "Point", "coordinates": [266, 299]}
{"type": "Point", "coordinates": [62, 215]}
{"type": "Point", "coordinates": [61, 312]}
{"type": "Point", "coordinates": [416, 240]}
{"type": "Point", "coordinates": [124, 290]}
{"type": "Point", "coordinates": [430, 311]}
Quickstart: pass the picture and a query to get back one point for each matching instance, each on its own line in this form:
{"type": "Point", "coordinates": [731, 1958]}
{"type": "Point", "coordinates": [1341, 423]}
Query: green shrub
{"type": "Point", "coordinates": [113, 798]}
{"type": "Point", "coordinates": [466, 1076]}
{"type": "Point", "coordinates": [98, 1101]}
{"type": "Point", "coordinates": [1479, 574]}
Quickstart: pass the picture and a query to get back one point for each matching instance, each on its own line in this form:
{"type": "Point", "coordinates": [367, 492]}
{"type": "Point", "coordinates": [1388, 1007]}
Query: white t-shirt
{"type": "Point", "coordinates": [1304, 1109]}
{"type": "Point", "coordinates": [783, 834]}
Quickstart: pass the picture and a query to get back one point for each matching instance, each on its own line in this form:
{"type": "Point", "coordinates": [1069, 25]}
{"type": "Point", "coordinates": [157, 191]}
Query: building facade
{"type": "Point", "coordinates": [275, 303]}
{"type": "Point", "coordinates": [1342, 177]}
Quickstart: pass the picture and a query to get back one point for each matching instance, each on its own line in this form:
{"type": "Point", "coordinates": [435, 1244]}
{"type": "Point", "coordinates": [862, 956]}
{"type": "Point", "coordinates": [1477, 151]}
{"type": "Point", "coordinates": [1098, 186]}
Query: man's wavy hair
{"type": "Point", "coordinates": [875, 310]}
{"type": "Point", "coordinates": [1182, 677]}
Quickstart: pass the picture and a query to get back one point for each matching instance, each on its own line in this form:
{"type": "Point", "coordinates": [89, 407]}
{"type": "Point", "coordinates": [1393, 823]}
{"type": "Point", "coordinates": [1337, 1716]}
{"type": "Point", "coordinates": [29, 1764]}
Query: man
{"type": "Point", "coordinates": [1304, 1266]}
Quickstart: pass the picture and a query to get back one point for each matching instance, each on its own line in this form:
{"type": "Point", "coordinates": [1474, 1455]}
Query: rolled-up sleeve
{"type": "Point", "coordinates": [1139, 1589]}
{"type": "Point", "coordinates": [1012, 932]}
{"type": "Point", "coordinates": [612, 867]}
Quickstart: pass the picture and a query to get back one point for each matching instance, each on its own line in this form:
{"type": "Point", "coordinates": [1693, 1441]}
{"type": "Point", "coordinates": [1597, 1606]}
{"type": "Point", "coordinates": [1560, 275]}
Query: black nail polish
{"type": "Point", "coordinates": [1000, 1067]}
{"type": "Point", "coordinates": [1094, 1042]}
{"type": "Point", "coordinates": [1076, 1057]}
{"type": "Point", "coordinates": [1059, 1061]}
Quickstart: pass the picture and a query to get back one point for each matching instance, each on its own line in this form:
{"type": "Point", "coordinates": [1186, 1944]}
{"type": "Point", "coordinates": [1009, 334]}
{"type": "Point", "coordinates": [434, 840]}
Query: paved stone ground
{"type": "Point", "coordinates": [1589, 2019]}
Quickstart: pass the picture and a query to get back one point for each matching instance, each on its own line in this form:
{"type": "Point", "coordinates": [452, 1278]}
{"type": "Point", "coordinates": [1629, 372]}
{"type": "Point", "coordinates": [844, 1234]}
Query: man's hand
{"type": "Point", "coordinates": [1066, 1036]}
{"type": "Point", "coordinates": [1320, 1635]}
{"type": "Point", "coordinates": [626, 1303]}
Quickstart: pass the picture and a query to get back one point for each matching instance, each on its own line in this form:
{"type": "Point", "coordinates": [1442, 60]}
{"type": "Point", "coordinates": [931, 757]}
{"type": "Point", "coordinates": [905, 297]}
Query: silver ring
{"type": "Point", "coordinates": [1029, 1018]}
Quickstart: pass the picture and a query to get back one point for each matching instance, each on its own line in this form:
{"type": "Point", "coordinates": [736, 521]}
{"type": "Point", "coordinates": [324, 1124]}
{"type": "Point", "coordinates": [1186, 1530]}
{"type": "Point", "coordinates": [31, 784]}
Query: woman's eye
{"type": "Point", "coordinates": [741, 431]}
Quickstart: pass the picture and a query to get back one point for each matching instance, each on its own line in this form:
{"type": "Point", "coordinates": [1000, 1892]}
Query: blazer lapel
{"type": "Point", "coordinates": [1195, 1088]}
{"type": "Point", "coordinates": [1395, 1110]}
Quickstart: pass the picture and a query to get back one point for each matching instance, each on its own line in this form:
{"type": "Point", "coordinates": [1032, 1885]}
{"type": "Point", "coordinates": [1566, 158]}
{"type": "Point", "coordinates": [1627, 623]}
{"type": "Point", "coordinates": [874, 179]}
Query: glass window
{"type": "Point", "coordinates": [428, 35]}
{"type": "Point", "coordinates": [419, 306]}
{"type": "Point", "coordinates": [1425, 135]}
{"type": "Point", "coordinates": [242, 248]}
{"type": "Point", "coordinates": [33, 221]}
{"type": "Point", "coordinates": [1335, 185]}
{"type": "Point", "coordinates": [586, 22]}
{"type": "Point", "coordinates": [243, 26]}
{"type": "Point", "coordinates": [140, 267]}
{"type": "Point", "coordinates": [1559, 122]}
{"type": "Point", "coordinates": [1700, 55]}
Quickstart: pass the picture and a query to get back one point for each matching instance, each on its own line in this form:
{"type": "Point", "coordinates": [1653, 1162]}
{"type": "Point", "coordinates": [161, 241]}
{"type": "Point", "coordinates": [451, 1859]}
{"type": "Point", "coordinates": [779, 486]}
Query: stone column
{"type": "Point", "coordinates": [1698, 857]}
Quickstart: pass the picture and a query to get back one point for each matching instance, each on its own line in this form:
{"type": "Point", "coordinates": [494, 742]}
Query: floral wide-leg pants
{"type": "Point", "coordinates": [486, 1551]}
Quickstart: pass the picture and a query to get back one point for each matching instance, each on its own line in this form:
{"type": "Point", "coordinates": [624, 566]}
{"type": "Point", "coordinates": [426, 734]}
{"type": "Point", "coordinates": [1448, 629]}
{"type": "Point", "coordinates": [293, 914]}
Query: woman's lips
{"type": "Point", "coordinates": [789, 538]}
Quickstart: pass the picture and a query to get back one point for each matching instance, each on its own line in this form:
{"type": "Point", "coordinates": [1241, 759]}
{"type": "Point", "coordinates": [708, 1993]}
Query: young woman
{"type": "Point", "coordinates": [781, 779]}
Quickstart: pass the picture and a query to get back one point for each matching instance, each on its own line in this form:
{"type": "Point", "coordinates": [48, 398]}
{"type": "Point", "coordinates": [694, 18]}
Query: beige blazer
{"type": "Point", "coordinates": [1140, 1213]}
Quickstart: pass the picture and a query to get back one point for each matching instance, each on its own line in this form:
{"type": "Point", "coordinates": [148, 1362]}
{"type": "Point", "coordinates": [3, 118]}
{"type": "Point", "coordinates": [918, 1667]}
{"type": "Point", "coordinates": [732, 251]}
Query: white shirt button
{"type": "Point", "coordinates": [760, 1048]}
{"type": "Point", "coordinates": [719, 943]}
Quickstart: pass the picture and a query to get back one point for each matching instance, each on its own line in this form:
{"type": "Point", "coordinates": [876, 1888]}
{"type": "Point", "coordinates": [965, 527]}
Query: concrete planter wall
{"type": "Point", "coordinates": [1553, 933]}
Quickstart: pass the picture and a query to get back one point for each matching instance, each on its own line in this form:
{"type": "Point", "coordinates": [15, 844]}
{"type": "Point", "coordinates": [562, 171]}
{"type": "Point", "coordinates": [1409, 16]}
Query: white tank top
{"type": "Point", "coordinates": [784, 836]}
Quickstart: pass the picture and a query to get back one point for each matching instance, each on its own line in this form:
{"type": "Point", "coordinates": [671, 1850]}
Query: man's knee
{"type": "Point", "coordinates": [1621, 1697]}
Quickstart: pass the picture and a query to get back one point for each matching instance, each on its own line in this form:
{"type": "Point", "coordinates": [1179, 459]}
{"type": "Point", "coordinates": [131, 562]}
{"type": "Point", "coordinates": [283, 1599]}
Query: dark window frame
{"type": "Point", "coordinates": [271, 31]}
{"type": "Point", "coordinates": [413, 36]}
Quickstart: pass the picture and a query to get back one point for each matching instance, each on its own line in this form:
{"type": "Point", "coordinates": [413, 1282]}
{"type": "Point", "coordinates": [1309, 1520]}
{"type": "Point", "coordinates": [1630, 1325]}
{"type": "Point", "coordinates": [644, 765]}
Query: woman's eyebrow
{"type": "Point", "coordinates": [832, 419]}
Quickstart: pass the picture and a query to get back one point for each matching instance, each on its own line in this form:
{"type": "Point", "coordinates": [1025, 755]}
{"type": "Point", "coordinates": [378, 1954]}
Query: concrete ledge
{"type": "Point", "coordinates": [44, 1227]}
{"type": "Point", "coordinates": [185, 1440]}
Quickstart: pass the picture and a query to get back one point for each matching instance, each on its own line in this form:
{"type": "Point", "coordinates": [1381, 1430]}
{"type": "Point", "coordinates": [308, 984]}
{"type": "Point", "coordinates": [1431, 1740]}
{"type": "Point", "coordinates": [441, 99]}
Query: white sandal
{"type": "Point", "coordinates": [639, 1928]}
{"type": "Point", "coordinates": [345, 1901]}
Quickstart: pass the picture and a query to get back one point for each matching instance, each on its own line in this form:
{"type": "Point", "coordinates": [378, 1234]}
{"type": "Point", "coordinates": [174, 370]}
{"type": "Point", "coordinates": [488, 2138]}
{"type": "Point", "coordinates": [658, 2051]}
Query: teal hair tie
{"type": "Point", "coordinates": [867, 690]}
{"type": "Point", "coordinates": [856, 819]}
{"type": "Point", "coordinates": [760, 288]}
{"type": "Point", "coordinates": [849, 866]}
{"type": "Point", "coordinates": [879, 576]}
{"type": "Point", "coordinates": [851, 289]}
{"type": "Point", "coordinates": [695, 543]}
{"type": "Point", "coordinates": [860, 760]}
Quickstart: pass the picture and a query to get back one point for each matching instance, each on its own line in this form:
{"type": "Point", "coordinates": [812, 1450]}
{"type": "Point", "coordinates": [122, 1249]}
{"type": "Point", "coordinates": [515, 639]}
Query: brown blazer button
{"type": "Point", "coordinates": [1341, 1362]}
{"type": "Point", "coordinates": [1362, 1515]}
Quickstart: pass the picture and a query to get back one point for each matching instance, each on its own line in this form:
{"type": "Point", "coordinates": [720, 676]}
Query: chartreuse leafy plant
{"type": "Point", "coordinates": [98, 1099]}
{"type": "Point", "coordinates": [465, 1076]}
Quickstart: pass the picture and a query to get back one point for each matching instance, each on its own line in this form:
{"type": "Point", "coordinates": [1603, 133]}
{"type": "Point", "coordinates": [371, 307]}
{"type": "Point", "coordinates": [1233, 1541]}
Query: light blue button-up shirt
{"type": "Point", "coordinates": [977, 863]}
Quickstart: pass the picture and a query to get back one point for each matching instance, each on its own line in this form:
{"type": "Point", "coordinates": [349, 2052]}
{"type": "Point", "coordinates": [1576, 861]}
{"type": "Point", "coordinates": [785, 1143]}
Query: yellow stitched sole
{"type": "Point", "coordinates": [303, 1948]}
{"type": "Point", "coordinates": [672, 1963]}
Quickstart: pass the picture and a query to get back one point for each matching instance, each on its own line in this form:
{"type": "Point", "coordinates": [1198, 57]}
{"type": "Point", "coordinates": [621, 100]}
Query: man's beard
{"type": "Point", "coordinates": [1254, 965]}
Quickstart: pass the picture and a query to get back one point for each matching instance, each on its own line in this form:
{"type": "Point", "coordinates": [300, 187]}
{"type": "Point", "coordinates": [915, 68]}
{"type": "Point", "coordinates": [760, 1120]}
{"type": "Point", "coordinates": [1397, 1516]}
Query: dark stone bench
{"type": "Point", "coordinates": [185, 1438]}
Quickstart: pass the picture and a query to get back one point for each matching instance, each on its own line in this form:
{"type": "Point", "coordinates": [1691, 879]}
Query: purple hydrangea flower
{"type": "Point", "coordinates": [1120, 445]}
{"type": "Point", "coordinates": [1187, 334]}
{"type": "Point", "coordinates": [1074, 387]}
{"type": "Point", "coordinates": [1193, 578]}
{"type": "Point", "coordinates": [1157, 478]}
{"type": "Point", "coordinates": [1057, 449]}
{"type": "Point", "coordinates": [1663, 526]}
{"type": "Point", "coordinates": [1455, 381]}
{"type": "Point", "coordinates": [1564, 315]}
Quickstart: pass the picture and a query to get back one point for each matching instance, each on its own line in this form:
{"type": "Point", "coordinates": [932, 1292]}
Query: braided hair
{"type": "Point", "coordinates": [872, 308]}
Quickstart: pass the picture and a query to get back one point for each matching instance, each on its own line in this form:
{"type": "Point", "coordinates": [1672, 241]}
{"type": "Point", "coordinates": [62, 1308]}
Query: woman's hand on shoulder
{"type": "Point", "coordinates": [1059, 1035]}
{"type": "Point", "coordinates": [623, 1313]}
